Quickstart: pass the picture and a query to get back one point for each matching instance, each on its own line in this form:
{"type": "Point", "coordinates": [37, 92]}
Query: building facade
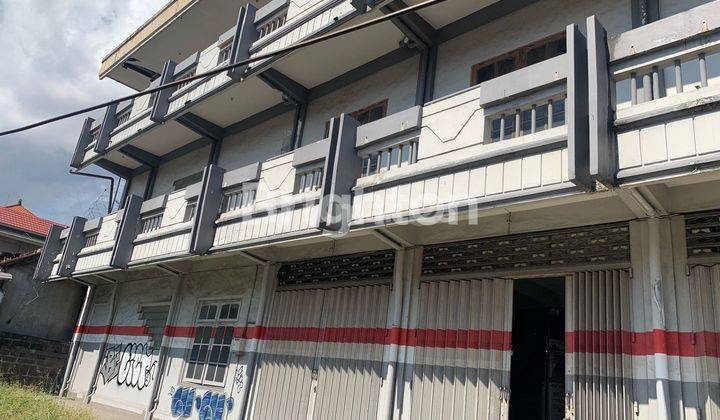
{"type": "Point", "coordinates": [480, 209]}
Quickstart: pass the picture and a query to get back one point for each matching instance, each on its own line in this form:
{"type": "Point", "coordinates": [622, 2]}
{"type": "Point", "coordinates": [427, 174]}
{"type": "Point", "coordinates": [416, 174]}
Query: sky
{"type": "Point", "coordinates": [50, 52]}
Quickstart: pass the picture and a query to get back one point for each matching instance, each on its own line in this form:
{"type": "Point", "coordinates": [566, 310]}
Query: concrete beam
{"type": "Point", "coordinates": [73, 244]}
{"type": "Point", "coordinates": [49, 251]}
{"type": "Point", "coordinates": [83, 141]}
{"type": "Point", "coordinates": [290, 89]}
{"type": "Point", "coordinates": [211, 195]}
{"type": "Point", "coordinates": [140, 155]}
{"type": "Point", "coordinates": [114, 168]}
{"type": "Point", "coordinates": [108, 125]}
{"type": "Point", "coordinates": [245, 34]}
{"type": "Point", "coordinates": [161, 100]}
{"type": "Point", "coordinates": [127, 231]}
{"type": "Point", "coordinates": [201, 126]}
{"type": "Point", "coordinates": [422, 34]}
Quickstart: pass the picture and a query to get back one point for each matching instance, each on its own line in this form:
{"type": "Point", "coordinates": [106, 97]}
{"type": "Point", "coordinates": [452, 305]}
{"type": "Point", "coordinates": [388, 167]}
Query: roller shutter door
{"type": "Point", "coordinates": [461, 365]}
{"type": "Point", "coordinates": [321, 354]}
{"type": "Point", "coordinates": [598, 342]}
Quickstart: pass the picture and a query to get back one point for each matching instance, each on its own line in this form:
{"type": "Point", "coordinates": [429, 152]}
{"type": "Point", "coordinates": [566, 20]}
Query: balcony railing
{"type": "Point", "coordinates": [96, 254]}
{"type": "Point", "coordinates": [664, 89]}
{"type": "Point", "coordinates": [509, 138]}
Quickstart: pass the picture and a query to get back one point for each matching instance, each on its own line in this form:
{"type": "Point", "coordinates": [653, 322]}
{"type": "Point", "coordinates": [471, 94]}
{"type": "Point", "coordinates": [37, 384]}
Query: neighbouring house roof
{"type": "Point", "coordinates": [18, 217]}
{"type": "Point", "coordinates": [7, 262]}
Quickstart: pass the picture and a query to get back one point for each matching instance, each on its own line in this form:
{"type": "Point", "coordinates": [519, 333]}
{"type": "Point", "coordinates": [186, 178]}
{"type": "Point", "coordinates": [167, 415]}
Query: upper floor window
{"type": "Point", "coordinates": [396, 156]}
{"type": "Point", "coordinates": [365, 115]}
{"type": "Point", "coordinates": [91, 238]}
{"type": "Point", "coordinates": [210, 352]}
{"type": "Point", "coordinates": [224, 53]}
{"type": "Point", "coordinates": [238, 198]}
{"type": "Point", "coordinates": [150, 222]}
{"type": "Point", "coordinates": [309, 180]}
{"type": "Point", "coordinates": [536, 52]}
{"type": "Point", "coordinates": [527, 120]}
{"type": "Point", "coordinates": [275, 23]}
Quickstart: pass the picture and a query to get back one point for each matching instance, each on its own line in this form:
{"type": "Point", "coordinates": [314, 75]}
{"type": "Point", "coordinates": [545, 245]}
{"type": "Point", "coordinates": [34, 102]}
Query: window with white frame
{"type": "Point", "coordinates": [309, 180]}
{"type": "Point", "coordinates": [151, 222]}
{"type": "Point", "coordinates": [237, 198]}
{"type": "Point", "coordinates": [210, 352]}
{"type": "Point", "coordinates": [396, 156]}
{"type": "Point", "coordinates": [154, 317]}
{"type": "Point", "coordinates": [529, 119]}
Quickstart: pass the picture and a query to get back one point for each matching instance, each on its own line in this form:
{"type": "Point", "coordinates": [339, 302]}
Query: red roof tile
{"type": "Point", "coordinates": [18, 217]}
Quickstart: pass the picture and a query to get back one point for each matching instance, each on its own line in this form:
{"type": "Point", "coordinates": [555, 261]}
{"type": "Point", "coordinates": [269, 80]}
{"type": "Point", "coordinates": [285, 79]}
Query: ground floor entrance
{"type": "Point", "coordinates": [537, 377]}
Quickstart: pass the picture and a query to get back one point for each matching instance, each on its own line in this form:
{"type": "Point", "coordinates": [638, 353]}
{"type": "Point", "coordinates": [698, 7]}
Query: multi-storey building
{"type": "Point", "coordinates": [481, 209]}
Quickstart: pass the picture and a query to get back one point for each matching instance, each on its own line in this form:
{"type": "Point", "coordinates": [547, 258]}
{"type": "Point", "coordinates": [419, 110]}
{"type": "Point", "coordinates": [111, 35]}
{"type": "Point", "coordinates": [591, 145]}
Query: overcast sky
{"type": "Point", "coordinates": [50, 52]}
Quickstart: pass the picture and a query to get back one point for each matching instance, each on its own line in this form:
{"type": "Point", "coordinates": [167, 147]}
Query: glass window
{"type": "Point", "coordinates": [506, 65]}
{"type": "Point", "coordinates": [495, 129]}
{"type": "Point", "coordinates": [484, 73]}
{"type": "Point", "coordinates": [535, 55]}
{"type": "Point", "coordinates": [210, 352]}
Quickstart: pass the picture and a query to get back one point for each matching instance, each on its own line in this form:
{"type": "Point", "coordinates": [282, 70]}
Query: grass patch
{"type": "Point", "coordinates": [23, 402]}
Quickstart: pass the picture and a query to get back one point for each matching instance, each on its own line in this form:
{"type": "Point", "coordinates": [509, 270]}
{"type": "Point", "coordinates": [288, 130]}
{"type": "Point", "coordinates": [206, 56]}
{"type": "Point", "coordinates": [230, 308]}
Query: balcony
{"type": "Point", "coordinates": [512, 138]}
{"type": "Point", "coordinates": [663, 85]}
{"type": "Point", "coordinates": [99, 240]}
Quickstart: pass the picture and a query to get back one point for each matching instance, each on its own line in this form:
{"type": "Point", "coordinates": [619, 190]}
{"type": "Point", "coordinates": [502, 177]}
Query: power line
{"type": "Point", "coordinates": [222, 69]}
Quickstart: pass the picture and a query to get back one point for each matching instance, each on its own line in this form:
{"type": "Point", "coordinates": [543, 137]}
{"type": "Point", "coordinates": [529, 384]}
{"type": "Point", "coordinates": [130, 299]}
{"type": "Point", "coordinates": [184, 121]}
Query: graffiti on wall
{"type": "Point", "coordinates": [239, 378]}
{"type": "Point", "coordinates": [211, 406]}
{"type": "Point", "coordinates": [130, 364]}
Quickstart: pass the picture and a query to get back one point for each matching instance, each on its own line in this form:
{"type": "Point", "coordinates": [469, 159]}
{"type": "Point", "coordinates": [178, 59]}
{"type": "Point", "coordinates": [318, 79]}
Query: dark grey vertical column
{"type": "Point", "coordinates": [83, 141]}
{"type": "Point", "coordinates": [245, 34]}
{"type": "Point", "coordinates": [342, 167]}
{"type": "Point", "coordinates": [50, 249]}
{"type": "Point", "coordinates": [126, 232]}
{"type": "Point", "coordinates": [161, 99]}
{"type": "Point", "coordinates": [576, 109]}
{"type": "Point", "coordinates": [74, 243]}
{"type": "Point", "coordinates": [203, 229]}
{"type": "Point", "coordinates": [108, 125]}
{"type": "Point", "coordinates": [602, 142]}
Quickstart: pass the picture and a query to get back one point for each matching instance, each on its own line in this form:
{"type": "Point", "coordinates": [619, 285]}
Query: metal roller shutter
{"type": "Point", "coordinates": [461, 366]}
{"type": "Point", "coordinates": [705, 306]}
{"type": "Point", "coordinates": [287, 352]}
{"type": "Point", "coordinates": [321, 354]}
{"type": "Point", "coordinates": [598, 342]}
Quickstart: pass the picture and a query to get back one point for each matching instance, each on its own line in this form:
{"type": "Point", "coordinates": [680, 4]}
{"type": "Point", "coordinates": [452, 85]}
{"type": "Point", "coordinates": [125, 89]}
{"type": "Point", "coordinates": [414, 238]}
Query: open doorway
{"type": "Point", "coordinates": [537, 370]}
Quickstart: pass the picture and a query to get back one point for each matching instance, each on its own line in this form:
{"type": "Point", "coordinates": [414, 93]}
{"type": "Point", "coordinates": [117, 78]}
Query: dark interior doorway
{"type": "Point", "coordinates": [537, 370]}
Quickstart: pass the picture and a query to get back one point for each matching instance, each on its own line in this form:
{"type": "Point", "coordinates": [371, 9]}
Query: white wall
{"type": "Point", "coordinates": [181, 167]}
{"type": "Point", "coordinates": [457, 56]}
{"type": "Point", "coordinates": [396, 83]}
{"type": "Point", "coordinates": [256, 144]}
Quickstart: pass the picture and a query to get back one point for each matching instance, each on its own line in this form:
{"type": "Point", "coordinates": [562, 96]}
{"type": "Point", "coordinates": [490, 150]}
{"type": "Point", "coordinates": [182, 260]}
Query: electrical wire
{"type": "Point", "coordinates": [218, 70]}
